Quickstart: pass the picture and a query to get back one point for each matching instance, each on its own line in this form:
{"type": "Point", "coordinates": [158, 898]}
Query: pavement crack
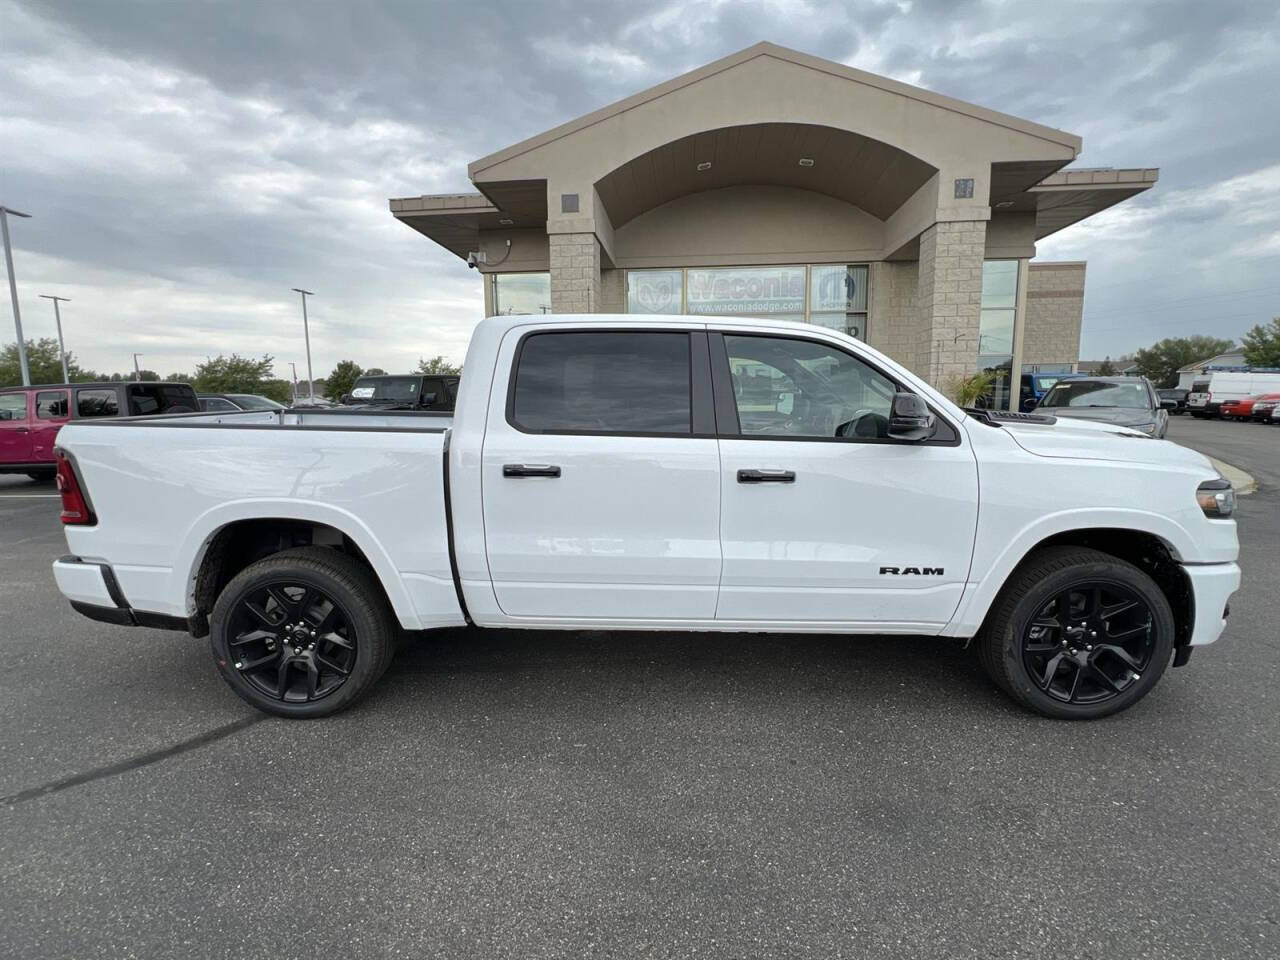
{"type": "Point", "coordinates": [133, 763]}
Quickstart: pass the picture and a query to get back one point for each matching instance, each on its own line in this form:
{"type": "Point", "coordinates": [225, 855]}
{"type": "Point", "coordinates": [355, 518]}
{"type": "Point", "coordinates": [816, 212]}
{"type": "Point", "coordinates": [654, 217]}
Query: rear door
{"type": "Point", "coordinates": [824, 518]}
{"type": "Point", "coordinates": [15, 428]}
{"type": "Point", "coordinates": [601, 475]}
{"type": "Point", "coordinates": [52, 411]}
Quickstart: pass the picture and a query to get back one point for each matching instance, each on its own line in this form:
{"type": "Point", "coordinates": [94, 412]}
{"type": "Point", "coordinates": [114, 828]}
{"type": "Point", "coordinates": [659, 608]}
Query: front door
{"type": "Point", "coordinates": [51, 413]}
{"type": "Point", "coordinates": [824, 518]}
{"type": "Point", "coordinates": [15, 429]}
{"type": "Point", "coordinates": [601, 476]}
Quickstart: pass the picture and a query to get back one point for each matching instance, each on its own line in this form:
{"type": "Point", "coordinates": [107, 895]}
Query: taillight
{"type": "Point", "coordinates": [75, 508]}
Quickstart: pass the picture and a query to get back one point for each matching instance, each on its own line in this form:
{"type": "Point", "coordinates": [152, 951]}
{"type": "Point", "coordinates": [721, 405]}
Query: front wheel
{"type": "Point", "coordinates": [1078, 634]}
{"type": "Point", "coordinates": [303, 633]}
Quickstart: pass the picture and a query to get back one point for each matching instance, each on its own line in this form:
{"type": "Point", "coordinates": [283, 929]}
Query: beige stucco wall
{"type": "Point", "coordinates": [1055, 307]}
{"type": "Point", "coordinates": [894, 325]}
{"type": "Point", "coordinates": [749, 225]}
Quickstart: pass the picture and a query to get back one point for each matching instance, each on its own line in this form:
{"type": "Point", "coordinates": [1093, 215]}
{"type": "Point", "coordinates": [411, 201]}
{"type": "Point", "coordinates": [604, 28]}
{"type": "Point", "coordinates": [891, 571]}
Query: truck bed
{"type": "Point", "coordinates": [162, 488]}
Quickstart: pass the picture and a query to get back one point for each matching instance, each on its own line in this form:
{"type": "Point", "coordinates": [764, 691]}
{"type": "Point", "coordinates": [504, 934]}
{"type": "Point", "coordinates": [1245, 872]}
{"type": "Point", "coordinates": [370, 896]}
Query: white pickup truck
{"type": "Point", "coordinates": [654, 473]}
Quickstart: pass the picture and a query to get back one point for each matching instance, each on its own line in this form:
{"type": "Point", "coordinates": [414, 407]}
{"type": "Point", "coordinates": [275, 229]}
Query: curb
{"type": "Point", "coordinates": [1243, 483]}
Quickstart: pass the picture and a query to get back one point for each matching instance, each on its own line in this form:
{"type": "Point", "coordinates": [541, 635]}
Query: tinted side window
{"type": "Point", "coordinates": [14, 404]}
{"type": "Point", "coordinates": [51, 405]}
{"type": "Point", "coordinates": [97, 403]}
{"type": "Point", "coordinates": [616, 382]}
{"type": "Point", "coordinates": [147, 398]}
{"type": "Point", "coordinates": [799, 388]}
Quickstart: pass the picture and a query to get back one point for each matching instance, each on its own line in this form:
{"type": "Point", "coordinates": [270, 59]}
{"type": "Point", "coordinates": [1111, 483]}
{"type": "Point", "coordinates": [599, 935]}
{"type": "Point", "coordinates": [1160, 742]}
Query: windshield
{"type": "Point", "coordinates": [387, 388]}
{"type": "Point", "coordinates": [249, 401]}
{"type": "Point", "coordinates": [1086, 393]}
{"type": "Point", "coordinates": [1044, 383]}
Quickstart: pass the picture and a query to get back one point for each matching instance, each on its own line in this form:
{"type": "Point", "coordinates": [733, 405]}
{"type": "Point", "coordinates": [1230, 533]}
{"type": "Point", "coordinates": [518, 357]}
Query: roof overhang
{"type": "Point", "coordinates": [1067, 196]}
{"type": "Point", "coordinates": [455, 220]}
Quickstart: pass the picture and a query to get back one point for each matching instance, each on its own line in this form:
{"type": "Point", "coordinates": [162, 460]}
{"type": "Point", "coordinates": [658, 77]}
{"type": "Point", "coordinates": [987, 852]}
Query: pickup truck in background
{"type": "Point", "coordinates": [410, 391]}
{"type": "Point", "coordinates": [636, 473]}
{"type": "Point", "coordinates": [31, 417]}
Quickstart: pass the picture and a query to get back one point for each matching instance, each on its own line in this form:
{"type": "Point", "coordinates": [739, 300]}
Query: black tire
{"type": "Point", "coordinates": [1044, 576]}
{"type": "Point", "coordinates": [364, 626]}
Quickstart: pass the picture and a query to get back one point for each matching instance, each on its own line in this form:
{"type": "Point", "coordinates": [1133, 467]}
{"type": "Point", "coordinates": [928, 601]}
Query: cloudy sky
{"type": "Point", "coordinates": [187, 163]}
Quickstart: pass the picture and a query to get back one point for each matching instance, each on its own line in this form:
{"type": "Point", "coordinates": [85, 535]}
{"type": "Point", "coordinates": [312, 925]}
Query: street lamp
{"type": "Point", "coordinates": [137, 374]}
{"type": "Point", "coordinates": [13, 291]}
{"type": "Point", "coordinates": [306, 333]}
{"type": "Point", "coordinates": [294, 367]}
{"type": "Point", "coordinates": [57, 318]}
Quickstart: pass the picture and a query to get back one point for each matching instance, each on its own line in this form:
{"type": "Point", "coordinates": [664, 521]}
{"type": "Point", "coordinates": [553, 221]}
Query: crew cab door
{"type": "Point", "coordinates": [15, 428]}
{"type": "Point", "coordinates": [601, 475]}
{"type": "Point", "coordinates": [52, 411]}
{"type": "Point", "coordinates": [824, 518]}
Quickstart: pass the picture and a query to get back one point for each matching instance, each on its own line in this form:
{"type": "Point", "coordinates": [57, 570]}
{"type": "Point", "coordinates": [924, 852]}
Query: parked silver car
{"type": "Point", "coordinates": [1125, 401]}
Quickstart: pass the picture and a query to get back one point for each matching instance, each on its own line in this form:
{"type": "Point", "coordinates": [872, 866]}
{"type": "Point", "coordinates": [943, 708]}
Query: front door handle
{"type": "Point", "coordinates": [766, 476]}
{"type": "Point", "coordinates": [530, 470]}
{"type": "Point", "coordinates": [23, 430]}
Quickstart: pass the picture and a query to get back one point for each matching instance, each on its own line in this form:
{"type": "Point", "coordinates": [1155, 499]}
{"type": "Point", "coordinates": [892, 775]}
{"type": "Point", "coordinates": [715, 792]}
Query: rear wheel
{"type": "Point", "coordinates": [1078, 634]}
{"type": "Point", "coordinates": [303, 633]}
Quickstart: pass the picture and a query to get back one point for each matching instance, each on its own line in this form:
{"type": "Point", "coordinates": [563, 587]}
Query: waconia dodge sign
{"type": "Point", "coordinates": [735, 291]}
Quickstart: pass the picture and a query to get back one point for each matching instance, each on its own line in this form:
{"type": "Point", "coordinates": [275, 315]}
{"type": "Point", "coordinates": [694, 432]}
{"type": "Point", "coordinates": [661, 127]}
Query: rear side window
{"type": "Point", "coordinates": [615, 382]}
{"type": "Point", "coordinates": [51, 405]}
{"type": "Point", "coordinates": [14, 405]}
{"type": "Point", "coordinates": [97, 403]}
{"type": "Point", "coordinates": [147, 398]}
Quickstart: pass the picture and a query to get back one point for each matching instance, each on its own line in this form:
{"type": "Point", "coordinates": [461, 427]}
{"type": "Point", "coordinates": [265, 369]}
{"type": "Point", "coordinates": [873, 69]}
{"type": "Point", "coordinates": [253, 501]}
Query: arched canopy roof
{"type": "Point", "coordinates": [869, 174]}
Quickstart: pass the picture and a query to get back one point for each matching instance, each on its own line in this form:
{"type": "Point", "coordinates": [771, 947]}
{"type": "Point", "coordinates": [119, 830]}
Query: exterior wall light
{"type": "Point", "coordinates": [704, 165]}
{"type": "Point", "coordinates": [505, 222]}
{"type": "Point", "coordinates": [806, 161]}
{"type": "Point", "coordinates": [1005, 203]}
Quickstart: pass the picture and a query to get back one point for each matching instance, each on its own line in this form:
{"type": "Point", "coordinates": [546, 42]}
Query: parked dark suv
{"type": "Point", "coordinates": [30, 417]}
{"type": "Point", "coordinates": [409, 391]}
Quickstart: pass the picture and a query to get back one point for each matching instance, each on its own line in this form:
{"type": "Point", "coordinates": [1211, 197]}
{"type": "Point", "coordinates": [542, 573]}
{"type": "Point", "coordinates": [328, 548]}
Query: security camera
{"type": "Point", "coordinates": [475, 258]}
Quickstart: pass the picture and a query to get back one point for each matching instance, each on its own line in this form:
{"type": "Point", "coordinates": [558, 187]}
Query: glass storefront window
{"type": "Point", "coordinates": [995, 327]}
{"type": "Point", "coordinates": [838, 297]}
{"type": "Point", "coordinates": [655, 291]}
{"type": "Point", "coordinates": [776, 292]}
{"type": "Point", "coordinates": [521, 293]}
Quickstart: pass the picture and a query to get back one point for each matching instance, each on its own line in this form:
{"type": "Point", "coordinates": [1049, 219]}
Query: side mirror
{"type": "Point", "coordinates": [909, 418]}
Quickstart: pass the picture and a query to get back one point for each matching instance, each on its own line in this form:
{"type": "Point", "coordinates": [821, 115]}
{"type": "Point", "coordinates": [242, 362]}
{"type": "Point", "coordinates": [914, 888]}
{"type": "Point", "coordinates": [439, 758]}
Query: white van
{"type": "Point", "coordinates": [1211, 390]}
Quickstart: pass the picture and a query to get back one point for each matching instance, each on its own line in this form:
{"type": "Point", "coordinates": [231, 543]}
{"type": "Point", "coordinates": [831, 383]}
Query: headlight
{"type": "Point", "coordinates": [1216, 498]}
{"type": "Point", "coordinates": [1147, 428]}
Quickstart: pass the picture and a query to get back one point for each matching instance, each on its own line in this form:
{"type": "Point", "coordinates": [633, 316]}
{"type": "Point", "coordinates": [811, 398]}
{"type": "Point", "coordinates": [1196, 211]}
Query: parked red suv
{"type": "Point", "coordinates": [30, 417]}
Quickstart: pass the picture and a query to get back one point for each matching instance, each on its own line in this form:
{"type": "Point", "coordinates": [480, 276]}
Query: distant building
{"type": "Point", "coordinates": [775, 184]}
{"type": "Point", "coordinates": [1231, 360]}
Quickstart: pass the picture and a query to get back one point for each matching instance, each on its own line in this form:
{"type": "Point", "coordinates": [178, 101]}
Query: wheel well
{"type": "Point", "coordinates": [1148, 553]}
{"type": "Point", "coordinates": [243, 542]}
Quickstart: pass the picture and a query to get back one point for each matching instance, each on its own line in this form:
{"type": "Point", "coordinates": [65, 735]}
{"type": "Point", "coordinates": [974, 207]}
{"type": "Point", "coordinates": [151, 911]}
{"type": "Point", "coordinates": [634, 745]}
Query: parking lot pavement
{"type": "Point", "coordinates": [512, 794]}
{"type": "Point", "coordinates": [1255, 447]}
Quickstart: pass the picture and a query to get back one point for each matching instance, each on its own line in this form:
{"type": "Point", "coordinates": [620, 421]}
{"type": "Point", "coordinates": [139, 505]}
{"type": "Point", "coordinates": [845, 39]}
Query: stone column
{"type": "Point", "coordinates": [949, 299]}
{"type": "Point", "coordinates": [575, 273]}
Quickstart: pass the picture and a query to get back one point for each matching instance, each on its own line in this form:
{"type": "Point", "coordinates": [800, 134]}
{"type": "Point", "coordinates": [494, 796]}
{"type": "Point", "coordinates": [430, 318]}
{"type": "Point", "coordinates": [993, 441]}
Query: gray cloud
{"type": "Point", "coordinates": [188, 164]}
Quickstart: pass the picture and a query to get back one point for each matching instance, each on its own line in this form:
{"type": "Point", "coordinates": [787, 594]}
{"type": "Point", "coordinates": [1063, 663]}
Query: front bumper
{"type": "Point", "coordinates": [1212, 585]}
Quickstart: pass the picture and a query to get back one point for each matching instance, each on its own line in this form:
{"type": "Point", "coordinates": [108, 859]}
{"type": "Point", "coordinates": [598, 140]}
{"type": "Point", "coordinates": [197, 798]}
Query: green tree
{"type": "Point", "coordinates": [1262, 345]}
{"type": "Point", "coordinates": [42, 361]}
{"type": "Point", "coordinates": [237, 374]}
{"type": "Point", "coordinates": [1106, 368]}
{"type": "Point", "coordinates": [1160, 362]}
{"type": "Point", "coordinates": [342, 379]}
{"type": "Point", "coordinates": [375, 372]}
{"type": "Point", "coordinates": [437, 364]}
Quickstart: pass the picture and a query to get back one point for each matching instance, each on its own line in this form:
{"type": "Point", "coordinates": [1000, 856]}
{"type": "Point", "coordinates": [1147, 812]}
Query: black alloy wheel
{"type": "Point", "coordinates": [292, 641]}
{"type": "Point", "coordinates": [303, 633]}
{"type": "Point", "coordinates": [1089, 643]}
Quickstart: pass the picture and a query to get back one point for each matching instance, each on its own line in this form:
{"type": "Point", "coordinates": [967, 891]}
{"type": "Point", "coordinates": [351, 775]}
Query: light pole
{"type": "Point", "coordinates": [137, 374]}
{"type": "Point", "coordinates": [311, 384]}
{"type": "Point", "coordinates": [57, 318]}
{"type": "Point", "coordinates": [13, 291]}
{"type": "Point", "coordinates": [294, 367]}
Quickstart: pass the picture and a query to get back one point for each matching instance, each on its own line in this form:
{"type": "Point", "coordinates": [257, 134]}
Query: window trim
{"type": "Point", "coordinates": [725, 400]}
{"type": "Point", "coordinates": [701, 417]}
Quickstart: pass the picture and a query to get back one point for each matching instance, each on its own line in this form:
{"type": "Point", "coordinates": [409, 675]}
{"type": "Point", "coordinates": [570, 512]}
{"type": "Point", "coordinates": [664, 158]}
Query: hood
{"type": "Point", "coordinates": [1081, 439]}
{"type": "Point", "coordinates": [1120, 415]}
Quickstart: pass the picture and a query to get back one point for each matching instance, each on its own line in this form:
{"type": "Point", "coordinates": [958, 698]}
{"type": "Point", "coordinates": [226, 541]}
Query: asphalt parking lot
{"type": "Point", "coordinates": [510, 794]}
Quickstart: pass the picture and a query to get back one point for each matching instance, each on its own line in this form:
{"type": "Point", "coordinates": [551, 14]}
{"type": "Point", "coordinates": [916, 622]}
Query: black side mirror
{"type": "Point", "coordinates": [909, 418]}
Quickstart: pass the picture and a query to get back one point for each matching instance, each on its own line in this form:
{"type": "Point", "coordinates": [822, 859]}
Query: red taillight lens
{"type": "Point", "coordinates": [75, 509]}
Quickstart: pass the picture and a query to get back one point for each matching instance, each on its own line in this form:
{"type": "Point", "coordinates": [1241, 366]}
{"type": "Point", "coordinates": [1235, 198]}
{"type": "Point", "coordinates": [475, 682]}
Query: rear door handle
{"type": "Point", "coordinates": [766, 476]}
{"type": "Point", "coordinates": [530, 470]}
{"type": "Point", "coordinates": [23, 430]}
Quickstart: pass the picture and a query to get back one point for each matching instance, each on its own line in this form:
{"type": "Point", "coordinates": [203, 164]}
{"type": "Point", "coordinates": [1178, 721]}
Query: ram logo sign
{"type": "Point", "coordinates": [911, 571]}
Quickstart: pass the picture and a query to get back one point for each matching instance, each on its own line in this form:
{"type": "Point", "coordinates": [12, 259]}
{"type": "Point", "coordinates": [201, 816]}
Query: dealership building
{"type": "Point", "coordinates": [775, 184]}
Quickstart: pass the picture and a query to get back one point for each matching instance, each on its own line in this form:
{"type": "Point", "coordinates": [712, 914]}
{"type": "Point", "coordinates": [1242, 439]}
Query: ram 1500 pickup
{"type": "Point", "coordinates": [654, 473]}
